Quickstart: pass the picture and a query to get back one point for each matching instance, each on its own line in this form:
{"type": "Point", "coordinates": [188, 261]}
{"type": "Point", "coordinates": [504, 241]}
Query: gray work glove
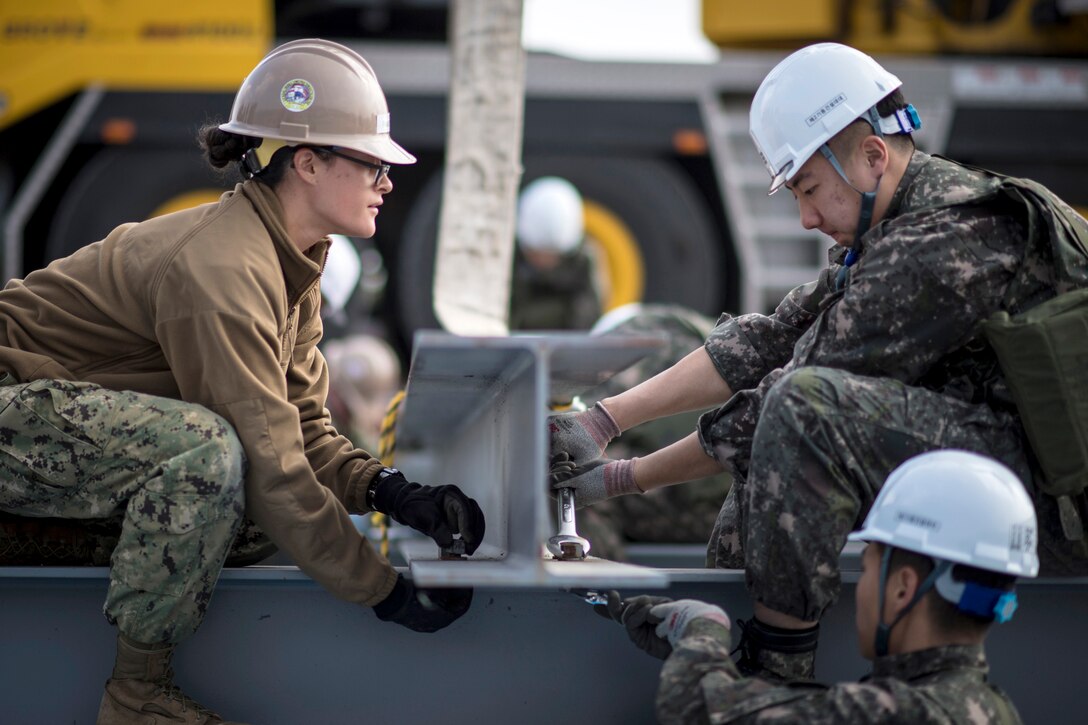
{"type": "Point", "coordinates": [594, 481]}
{"type": "Point", "coordinates": [676, 616]}
{"type": "Point", "coordinates": [638, 619]}
{"type": "Point", "coordinates": [582, 436]}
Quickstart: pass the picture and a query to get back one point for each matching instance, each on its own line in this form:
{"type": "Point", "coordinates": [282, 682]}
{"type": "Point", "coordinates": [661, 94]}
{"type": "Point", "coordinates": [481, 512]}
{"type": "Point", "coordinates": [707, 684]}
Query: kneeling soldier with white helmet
{"type": "Point", "coordinates": [947, 537]}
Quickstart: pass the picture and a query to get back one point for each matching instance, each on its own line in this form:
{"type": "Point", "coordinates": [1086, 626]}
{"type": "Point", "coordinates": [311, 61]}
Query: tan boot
{"type": "Point", "coordinates": [141, 690]}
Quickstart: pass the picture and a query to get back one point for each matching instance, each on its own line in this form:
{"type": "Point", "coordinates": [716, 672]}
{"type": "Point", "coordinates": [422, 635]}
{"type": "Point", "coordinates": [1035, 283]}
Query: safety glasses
{"type": "Point", "coordinates": [380, 170]}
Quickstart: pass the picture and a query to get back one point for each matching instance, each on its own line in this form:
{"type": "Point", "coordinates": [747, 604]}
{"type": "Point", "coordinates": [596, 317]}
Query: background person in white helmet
{"type": "Point", "coordinates": [881, 358]}
{"type": "Point", "coordinates": [168, 377]}
{"type": "Point", "coordinates": [554, 285]}
{"type": "Point", "coordinates": [364, 376]}
{"type": "Point", "coordinates": [947, 537]}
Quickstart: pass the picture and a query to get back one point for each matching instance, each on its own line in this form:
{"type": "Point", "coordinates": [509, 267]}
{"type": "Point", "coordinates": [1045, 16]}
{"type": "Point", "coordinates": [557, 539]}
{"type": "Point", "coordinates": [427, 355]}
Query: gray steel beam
{"type": "Point", "coordinates": [474, 415]}
{"type": "Point", "coordinates": [276, 649]}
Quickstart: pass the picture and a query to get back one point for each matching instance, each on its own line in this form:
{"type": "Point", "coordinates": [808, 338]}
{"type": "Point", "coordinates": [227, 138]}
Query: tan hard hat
{"type": "Point", "coordinates": [316, 92]}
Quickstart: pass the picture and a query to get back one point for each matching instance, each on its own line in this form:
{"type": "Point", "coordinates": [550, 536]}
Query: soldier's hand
{"type": "Point", "coordinates": [582, 436]}
{"type": "Point", "coordinates": [594, 481]}
{"type": "Point", "coordinates": [676, 616]}
{"type": "Point", "coordinates": [437, 511]}
{"type": "Point", "coordinates": [638, 619]}
{"type": "Point", "coordinates": [423, 610]}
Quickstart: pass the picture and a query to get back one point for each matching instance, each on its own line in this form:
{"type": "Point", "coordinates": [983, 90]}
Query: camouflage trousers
{"type": "Point", "coordinates": [171, 472]}
{"type": "Point", "coordinates": [824, 444]}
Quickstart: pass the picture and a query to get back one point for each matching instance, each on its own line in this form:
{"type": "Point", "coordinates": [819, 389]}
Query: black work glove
{"type": "Point", "coordinates": [422, 610]}
{"type": "Point", "coordinates": [437, 511]}
{"type": "Point", "coordinates": [634, 615]}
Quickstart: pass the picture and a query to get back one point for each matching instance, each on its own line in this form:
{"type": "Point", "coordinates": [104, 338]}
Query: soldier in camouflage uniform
{"type": "Point", "coordinates": [878, 360]}
{"type": "Point", "coordinates": [167, 379]}
{"type": "Point", "coordinates": [554, 285]}
{"type": "Point", "coordinates": [925, 604]}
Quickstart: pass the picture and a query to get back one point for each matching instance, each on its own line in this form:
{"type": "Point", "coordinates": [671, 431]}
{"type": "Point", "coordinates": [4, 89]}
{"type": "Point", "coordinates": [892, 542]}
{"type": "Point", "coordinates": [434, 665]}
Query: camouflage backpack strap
{"type": "Point", "coordinates": [1045, 216]}
{"type": "Point", "coordinates": [1064, 228]}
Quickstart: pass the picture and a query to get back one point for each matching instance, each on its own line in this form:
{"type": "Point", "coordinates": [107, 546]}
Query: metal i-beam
{"type": "Point", "coordinates": [474, 416]}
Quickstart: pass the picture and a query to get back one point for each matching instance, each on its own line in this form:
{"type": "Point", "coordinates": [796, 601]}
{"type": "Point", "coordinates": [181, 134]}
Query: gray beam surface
{"type": "Point", "coordinates": [276, 649]}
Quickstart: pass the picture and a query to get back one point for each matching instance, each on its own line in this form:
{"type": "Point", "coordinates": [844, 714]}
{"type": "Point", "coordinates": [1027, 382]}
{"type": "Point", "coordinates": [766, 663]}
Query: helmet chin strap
{"type": "Point", "coordinates": [969, 597]}
{"type": "Point", "coordinates": [868, 199]}
{"type": "Point", "coordinates": [884, 629]}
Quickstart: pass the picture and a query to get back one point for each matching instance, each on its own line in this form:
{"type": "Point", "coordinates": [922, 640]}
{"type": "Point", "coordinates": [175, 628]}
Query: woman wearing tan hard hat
{"type": "Point", "coordinates": [168, 378]}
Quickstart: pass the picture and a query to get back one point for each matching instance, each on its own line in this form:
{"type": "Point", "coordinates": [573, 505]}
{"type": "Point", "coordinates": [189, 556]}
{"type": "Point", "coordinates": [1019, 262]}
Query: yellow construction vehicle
{"type": "Point", "coordinates": [990, 27]}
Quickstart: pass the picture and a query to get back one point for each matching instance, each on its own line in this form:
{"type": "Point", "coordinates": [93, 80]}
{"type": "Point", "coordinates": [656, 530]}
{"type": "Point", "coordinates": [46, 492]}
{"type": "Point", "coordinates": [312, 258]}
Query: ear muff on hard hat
{"type": "Point", "coordinates": [955, 507]}
{"type": "Point", "coordinates": [810, 97]}
{"type": "Point", "coordinates": [318, 93]}
{"type": "Point", "coordinates": [550, 216]}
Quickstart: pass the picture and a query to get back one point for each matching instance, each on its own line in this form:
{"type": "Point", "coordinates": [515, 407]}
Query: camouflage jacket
{"type": "Point", "coordinates": [935, 266]}
{"type": "Point", "coordinates": [700, 683]}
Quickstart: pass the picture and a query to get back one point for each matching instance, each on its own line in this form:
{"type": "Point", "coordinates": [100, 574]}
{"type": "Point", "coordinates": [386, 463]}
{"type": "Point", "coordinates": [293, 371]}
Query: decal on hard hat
{"type": "Point", "coordinates": [1021, 537]}
{"type": "Point", "coordinates": [383, 123]}
{"type": "Point", "coordinates": [297, 95]}
{"type": "Point", "coordinates": [826, 109]}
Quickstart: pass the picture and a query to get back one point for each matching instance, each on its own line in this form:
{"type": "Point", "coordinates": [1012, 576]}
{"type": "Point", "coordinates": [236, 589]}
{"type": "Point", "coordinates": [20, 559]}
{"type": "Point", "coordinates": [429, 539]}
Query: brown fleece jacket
{"type": "Point", "coordinates": [216, 306]}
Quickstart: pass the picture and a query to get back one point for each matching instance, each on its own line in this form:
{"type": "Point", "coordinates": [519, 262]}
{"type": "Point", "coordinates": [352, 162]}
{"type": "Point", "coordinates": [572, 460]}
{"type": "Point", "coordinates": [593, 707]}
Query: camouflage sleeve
{"type": "Point", "coordinates": [749, 353]}
{"type": "Point", "coordinates": [726, 432]}
{"type": "Point", "coordinates": [917, 293]}
{"type": "Point", "coordinates": [700, 683]}
{"type": "Point", "coordinates": [744, 349]}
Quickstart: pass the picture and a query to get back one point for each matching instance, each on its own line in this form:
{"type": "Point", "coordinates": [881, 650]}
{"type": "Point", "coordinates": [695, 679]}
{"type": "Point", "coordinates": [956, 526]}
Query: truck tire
{"type": "Point", "coordinates": [682, 254]}
{"type": "Point", "coordinates": [125, 184]}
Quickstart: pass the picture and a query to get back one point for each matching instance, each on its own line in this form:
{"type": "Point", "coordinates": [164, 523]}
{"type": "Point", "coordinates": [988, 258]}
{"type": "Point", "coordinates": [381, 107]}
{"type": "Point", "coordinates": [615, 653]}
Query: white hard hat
{"type": "Point", "coordinates": [550, 216]}
{"type": "Point", "coordinates": [959, 507]}
{"type": "Point", "coordinates": [362, 367]}
{"type": "Point", "coordinates": [615, 317]}
{"type": "Point", "coordinates": [319, 93]}
{"type": "Point", "coordinates": [343, 268]}
{"type": "Point", "coordinates": [808, 98]}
